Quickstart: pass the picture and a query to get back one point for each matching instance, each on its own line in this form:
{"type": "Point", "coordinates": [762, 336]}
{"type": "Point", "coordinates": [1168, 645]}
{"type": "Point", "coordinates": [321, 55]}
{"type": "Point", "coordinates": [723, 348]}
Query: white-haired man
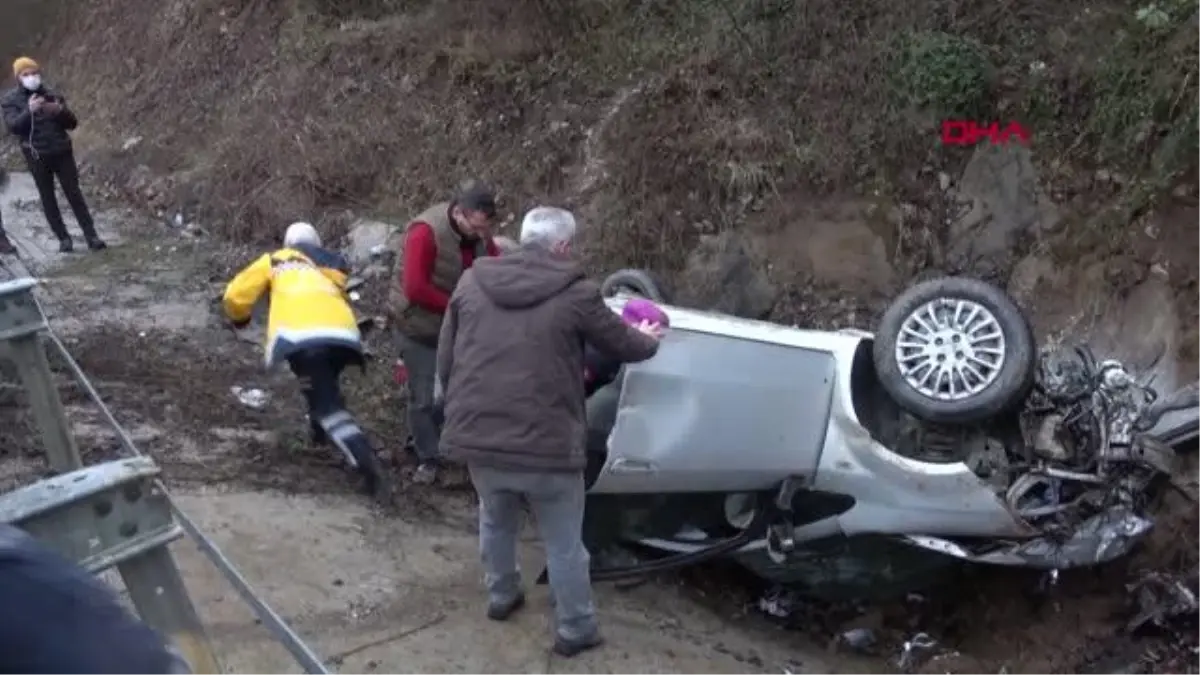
{"type": "Point", "coordinates": [312, 327]}
{"type": "Point", "coordinates": [510, 358]}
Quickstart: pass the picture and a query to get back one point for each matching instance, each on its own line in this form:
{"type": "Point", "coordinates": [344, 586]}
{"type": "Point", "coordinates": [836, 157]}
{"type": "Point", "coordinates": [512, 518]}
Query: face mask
{"type": "Point", "coordinates": [31, 82]}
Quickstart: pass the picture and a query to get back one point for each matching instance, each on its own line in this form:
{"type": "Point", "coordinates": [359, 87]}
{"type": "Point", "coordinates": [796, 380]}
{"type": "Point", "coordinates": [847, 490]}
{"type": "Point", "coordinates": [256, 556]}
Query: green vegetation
{"type": "Point", "coordinates": [947, 75]}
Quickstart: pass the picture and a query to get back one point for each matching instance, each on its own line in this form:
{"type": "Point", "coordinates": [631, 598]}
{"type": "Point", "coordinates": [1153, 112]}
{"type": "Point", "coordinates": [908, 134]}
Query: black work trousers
{"type": "Point", "coordinates": [61, 165]}
{"type": "Point", "coordinates": [319, 370]}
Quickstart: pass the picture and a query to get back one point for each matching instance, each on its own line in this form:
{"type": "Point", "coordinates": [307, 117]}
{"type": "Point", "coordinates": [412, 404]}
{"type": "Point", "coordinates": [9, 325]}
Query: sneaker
{"type": "Point", "coordinates": [96, 244]}
{"type": "Point", "coordinates": [426, 473]}
{"type": "Point", "coordinates": [501, 611]}
{"type": "Point", "coordinates": [6, 247]}
{"type": "Point", "coordinates": [568, 647]}
{"type": "Point", "coordinates": [65, 245]}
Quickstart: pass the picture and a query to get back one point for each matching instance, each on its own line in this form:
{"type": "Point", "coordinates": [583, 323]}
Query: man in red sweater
{"type": "Point", "coordinates": [439, 244]}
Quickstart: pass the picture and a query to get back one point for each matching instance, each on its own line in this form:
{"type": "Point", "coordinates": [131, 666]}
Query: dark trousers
{"type": "Point", "coordinates": [45, 168]}
{"type": "Point", "coordinates": [59, 618]}
{"type": "Point", "coordinates": [319, 370]}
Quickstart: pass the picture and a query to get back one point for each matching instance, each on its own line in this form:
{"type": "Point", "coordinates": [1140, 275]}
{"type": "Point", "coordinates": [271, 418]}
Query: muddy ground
{"type": "Point", "coordinates": [394, 592]}
{"type": "Point", "coordinates": [400, 590]}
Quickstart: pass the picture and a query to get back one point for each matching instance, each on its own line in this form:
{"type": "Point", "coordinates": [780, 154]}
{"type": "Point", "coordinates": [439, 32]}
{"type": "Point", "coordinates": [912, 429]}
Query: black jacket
{"type": "Point", "coordinates": [58, 618]}
{"type": "Point", "coordinates": [47, 134]}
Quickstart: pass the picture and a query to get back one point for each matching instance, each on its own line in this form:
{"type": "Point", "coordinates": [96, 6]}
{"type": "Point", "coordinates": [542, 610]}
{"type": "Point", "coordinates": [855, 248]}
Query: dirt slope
{"type": "Point", "coordinates": [809, 130]}
{"type": "Point", "coordinates": [661, 121]}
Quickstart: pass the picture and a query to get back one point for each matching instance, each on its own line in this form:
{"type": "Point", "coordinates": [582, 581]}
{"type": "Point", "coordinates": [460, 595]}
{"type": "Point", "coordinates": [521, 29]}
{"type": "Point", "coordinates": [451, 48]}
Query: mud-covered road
{"type": "Point", "coordinates": [399, 591]}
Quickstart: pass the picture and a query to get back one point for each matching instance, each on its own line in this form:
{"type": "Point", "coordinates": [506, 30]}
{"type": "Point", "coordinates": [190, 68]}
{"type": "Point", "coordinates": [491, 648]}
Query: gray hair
{"type": "Point", "coordinates": [547, 226]}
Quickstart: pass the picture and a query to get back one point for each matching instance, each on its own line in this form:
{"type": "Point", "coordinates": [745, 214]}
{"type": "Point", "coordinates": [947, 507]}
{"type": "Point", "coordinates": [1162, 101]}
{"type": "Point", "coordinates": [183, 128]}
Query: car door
{"type": "Point", "coordinates": [712, 412]}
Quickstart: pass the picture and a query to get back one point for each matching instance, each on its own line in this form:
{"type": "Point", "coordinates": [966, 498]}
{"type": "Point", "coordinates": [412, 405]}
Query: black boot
{"type": "Point", "coordinates": [65, 245]}
{"type": "Point", "coordinates": [374, 481]}
{"type": "Point", "coordinates": [316, 433]}
{"type": "Point", "coordinates": [95, 243]}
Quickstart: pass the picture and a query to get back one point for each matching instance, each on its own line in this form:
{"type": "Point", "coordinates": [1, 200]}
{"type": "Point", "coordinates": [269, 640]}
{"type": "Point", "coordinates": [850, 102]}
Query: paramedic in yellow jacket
{"type": "Point", "coordinates": [312, 327]}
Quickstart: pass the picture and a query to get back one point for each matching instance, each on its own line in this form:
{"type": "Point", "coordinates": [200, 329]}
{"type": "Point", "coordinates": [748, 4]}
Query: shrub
{"type": "Point", "coordinates": [942, 74]}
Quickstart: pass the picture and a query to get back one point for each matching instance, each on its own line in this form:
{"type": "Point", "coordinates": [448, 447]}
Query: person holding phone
{"type": "Point", "coordinates": [42, 122]}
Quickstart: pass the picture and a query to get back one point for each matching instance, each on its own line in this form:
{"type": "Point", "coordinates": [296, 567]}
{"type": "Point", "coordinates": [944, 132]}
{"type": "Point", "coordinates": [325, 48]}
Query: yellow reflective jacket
{"type": "Point", "coordinates": [308, 303]}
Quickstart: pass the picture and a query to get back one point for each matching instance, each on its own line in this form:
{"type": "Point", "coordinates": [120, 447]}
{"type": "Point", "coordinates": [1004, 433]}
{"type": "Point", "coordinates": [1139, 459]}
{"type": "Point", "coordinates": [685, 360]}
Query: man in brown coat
{"type": "Point", "coordinates": [439, 244]}
{"type": "Point", "coordinates": [510, 361]}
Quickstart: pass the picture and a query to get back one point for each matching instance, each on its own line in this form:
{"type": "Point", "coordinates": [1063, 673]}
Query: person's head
{"type": "Point", "coordinates": [637, 310]}
{"type": "Point", "coordinates": [549, 227]}
{"type": "Point", "coordinates": [28, 73]}
{"type": "Point", "coordinates": [301, 233]}
{"type": "Point", "coordinates": [474, 209]}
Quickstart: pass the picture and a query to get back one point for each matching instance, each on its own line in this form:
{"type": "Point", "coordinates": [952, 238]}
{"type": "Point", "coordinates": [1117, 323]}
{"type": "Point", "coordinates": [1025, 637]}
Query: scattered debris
{"type": "Point", "coordinates": [779, 602]}
{"type": "Point", "coordinates": [915, 650]}
{"type": "Point", "coordinates": [861, 640]}
{"type": "Point", "coordinates": [1160, 597]}
{"type": "Point", "coordinates": [251, 398]}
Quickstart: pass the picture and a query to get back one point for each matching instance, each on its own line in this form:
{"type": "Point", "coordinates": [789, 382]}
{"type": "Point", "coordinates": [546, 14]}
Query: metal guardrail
{"type": "Point", "coordinates": [116, 514]}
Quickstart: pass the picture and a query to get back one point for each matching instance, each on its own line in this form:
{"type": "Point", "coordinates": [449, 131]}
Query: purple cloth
{"type": "Point", "coordinates": [638, 310]}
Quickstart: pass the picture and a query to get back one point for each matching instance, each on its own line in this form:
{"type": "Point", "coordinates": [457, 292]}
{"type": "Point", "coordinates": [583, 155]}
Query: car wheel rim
{"type": "Point", "coordinates": [950, 349]}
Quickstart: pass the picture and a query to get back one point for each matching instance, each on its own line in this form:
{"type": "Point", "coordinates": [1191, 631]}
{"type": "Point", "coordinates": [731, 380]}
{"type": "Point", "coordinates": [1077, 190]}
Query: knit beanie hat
{"type": "Point", "coordinates": [24, 63]}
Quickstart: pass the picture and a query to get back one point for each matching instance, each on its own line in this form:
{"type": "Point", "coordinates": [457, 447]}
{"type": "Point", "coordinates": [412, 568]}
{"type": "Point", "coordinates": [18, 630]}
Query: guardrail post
{"type": "Point", "coordinates": [152, 578]}
{"type": "Point", "coordinates": [21, 325]}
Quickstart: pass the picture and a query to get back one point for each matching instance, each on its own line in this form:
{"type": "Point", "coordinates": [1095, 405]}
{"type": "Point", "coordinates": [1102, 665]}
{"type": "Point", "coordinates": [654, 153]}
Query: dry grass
{"type": "Point", "coordinates": [659, 121]}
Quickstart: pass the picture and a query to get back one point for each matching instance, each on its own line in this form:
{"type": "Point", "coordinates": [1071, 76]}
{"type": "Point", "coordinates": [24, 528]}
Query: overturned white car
{"type": "Point", "coordinates": [837, 459]}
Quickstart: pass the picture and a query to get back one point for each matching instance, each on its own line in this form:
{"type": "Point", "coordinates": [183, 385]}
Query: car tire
{"type": "Point", "coordinates": [970, 324]}
{"type": "Point", "coordinates": [638, 282]}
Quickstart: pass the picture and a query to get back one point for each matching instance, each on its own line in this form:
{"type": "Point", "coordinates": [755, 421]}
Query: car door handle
{"type": "Point", "coordinates": [624, 465]}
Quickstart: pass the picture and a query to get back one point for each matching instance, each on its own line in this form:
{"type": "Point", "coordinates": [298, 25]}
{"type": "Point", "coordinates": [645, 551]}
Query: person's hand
{"type": "Point", "coordinates": [654, 330]}
{"type": "Point", "coordinates": [36, 102]}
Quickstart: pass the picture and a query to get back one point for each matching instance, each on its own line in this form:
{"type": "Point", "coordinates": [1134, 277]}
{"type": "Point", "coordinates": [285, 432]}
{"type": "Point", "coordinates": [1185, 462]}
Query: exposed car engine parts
{"type": "Point", "coordinates": [1084, 471]}
{"type": "Point", "coordinates": [1085, 454]}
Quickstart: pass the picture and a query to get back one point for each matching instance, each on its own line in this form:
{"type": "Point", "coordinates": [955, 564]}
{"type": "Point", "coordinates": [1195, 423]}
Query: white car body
{"type": "Point", "coordinates": [734, 410]}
